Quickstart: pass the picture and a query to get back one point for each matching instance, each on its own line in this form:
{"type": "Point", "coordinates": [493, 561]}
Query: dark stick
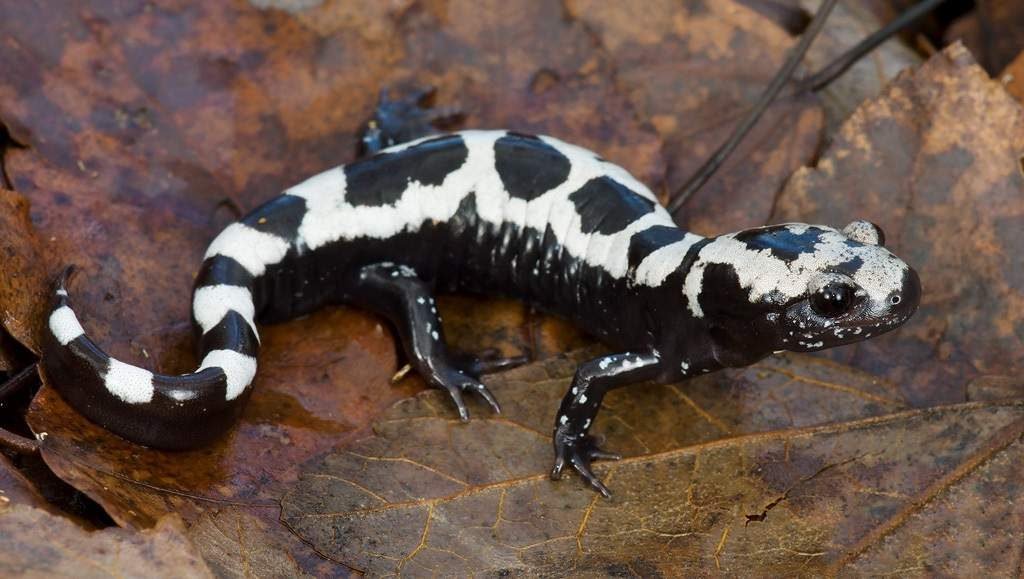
{"type": "Point", "coordinates": [837, 67]}
{"type": "Point", "coordinates": [781, 78]}
{"type": "Point", "coordinates": [18, 444]}
{"type": "Point", "coordinates": [813, 83]}
{"type": "Point", "coordinates": [18, 382]}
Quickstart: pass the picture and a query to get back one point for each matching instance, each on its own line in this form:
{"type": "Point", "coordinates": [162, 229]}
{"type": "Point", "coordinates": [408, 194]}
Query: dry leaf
{"type": "Point", "coordinates": [38, 544]}
{"type": "Point", "coordinates": [849, 23]}
{"type": "Point", "coordinates": [723, 55]}
{"type": "Point", "coordinates": [23, 287]}
{"type": "Point", "coordinates": [129, 151]}
{"type": "Point", "coordinates": [428, 494]}
{"type": "Point", "coordinates": [140, 119]}
{"type": "Point", "coordinates": [935, 160]}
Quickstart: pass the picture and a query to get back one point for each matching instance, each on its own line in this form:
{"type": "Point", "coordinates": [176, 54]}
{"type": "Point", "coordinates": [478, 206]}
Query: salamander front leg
{"type": "Point", "coordinates": [403, 119]}
{"type": "Point", "coordinates": [593, 379]}
{"type": "Point", "coordinates": [397, 293]}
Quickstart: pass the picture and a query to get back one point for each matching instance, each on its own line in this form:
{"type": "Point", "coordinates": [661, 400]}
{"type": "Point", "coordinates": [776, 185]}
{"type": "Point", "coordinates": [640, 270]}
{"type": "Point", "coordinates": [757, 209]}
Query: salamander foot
{"type": "Point", "coordinates": [457, 382]}
{"type": "Point", "coordinates": [579, 451]}
{"type": "Point", "coordinates": [404, 119]}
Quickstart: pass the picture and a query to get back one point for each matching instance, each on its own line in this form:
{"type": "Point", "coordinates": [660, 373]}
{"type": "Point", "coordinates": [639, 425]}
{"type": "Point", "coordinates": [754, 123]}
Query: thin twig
{"type": "Point", "coordinates": [19, 382]}
{"type": "Point", "coordinates": [837, 67]}
{"type": "Point", "coordinates": [18, 444]}
{"type": "Point", "coordinates": [781, 78]}
{"type": "Point", "coordinates": [813, 83]}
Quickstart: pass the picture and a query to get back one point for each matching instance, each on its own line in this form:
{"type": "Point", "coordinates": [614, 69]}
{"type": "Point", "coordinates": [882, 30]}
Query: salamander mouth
{"type": "Point", "coordinates": [849, 332]}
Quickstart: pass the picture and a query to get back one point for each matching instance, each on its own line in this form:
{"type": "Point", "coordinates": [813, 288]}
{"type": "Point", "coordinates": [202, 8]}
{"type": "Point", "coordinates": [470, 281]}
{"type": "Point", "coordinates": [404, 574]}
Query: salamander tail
{"type": "Point", "coordinates": [170, 412]}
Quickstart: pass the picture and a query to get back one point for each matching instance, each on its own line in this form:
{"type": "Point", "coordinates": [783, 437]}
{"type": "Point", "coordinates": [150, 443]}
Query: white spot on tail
{"type": "Point", "coordinates": [64, 325]}
{"type": "Point", "coordinates": [182, 395]}
{"type": "Point", "coordinates": [129, 383]}
{"type": "Point", "coordinates": [211, 303]}
{"type": "Point", "coordinates": [239, 369]}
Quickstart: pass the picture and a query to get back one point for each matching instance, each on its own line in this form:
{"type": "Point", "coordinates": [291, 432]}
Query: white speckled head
{"type": "Point", "coordinates": [817, 286]}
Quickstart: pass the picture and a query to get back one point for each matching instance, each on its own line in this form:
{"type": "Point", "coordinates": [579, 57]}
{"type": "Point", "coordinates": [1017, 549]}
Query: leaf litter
{"type": "Point", "coordinates": [788, 467]}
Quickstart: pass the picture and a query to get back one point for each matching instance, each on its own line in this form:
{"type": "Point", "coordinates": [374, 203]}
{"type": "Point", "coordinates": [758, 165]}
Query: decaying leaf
{"type": "Point", "coordinates": [15, 488]}
{"type": "Point", "coordinates": [140, 119]}
{"type": "Point", "coordinates": [130, 152]}
{"type": "Point", "coordinates": [699, 492]}
{"type": "Point", "coordinates": [935, 160]}
{"type": "Point", "coordinates": [524, 65]}
{"type": "Point", "coordinates": [38, 544]}
{"type": "Point", "coordinates": [849, 23]}
{"type": "Point", "coordinates": [22, 274]}
{"type": "Point", "coordinates": [723, 56]}
{"type": "Point", "coordinates": [236, 544]}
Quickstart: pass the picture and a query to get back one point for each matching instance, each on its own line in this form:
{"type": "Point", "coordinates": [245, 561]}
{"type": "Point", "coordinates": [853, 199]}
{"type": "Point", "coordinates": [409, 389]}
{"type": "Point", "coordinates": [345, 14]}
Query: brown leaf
{"type": "Point", "coordinates": [524, 65]}
{"type": "Point", "coordinates": [327, 373]}
{"type": "Point", "coordinates": [1013, 79]}
{"type": "Point", "coordinates": [849, 23]}
{"type": "Point", "coordinates": [15, 488]}
{"type": "Point", "coordinates": [235, 543]}
{"type": "Point", "coordinates": [475, 324]}
{"type": "Point", "coordinates": [935, 161]}
{"type": "Point", "coordinates": [38, 544]}
{"type": "Point", "coordinates": [723, 55]}
{"type": "Point", "coordinates": [138, 121]}
{"type": "Point", "coordinates": [23, 284]}
{"type": "Point", "coordinates": [993, 31]}
{"type": "Point", "coordinates": [428, 494]}
{"type": "Point", "coordinates": [9, 358]}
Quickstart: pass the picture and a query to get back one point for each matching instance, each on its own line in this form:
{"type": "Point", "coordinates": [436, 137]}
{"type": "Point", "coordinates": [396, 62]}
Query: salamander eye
{"type": "Point", "coordinates": [832, 300]}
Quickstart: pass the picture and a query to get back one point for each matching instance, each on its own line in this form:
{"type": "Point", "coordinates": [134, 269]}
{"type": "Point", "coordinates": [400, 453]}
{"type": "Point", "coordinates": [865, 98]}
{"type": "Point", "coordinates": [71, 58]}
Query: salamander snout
{"type": "Point", "coordinates": [855, 289]}
{"type": "Point", "coordinates": [903, 303]}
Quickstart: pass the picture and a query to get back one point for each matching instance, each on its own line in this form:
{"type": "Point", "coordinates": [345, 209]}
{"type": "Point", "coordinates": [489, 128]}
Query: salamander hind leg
{"type": "Point", "coordinates": [593, 379]}
{"type": "Point", "coordinates": [397, 293]}
{"type": "Point", "coordinates": [403, 119]}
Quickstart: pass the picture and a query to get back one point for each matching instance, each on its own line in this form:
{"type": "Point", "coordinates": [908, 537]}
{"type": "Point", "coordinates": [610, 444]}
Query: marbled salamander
{"type": "Point", "coordinates": [500, 213]}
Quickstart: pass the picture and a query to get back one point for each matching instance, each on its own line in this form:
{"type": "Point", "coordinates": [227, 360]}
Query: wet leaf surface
{"type": "Point", "coordinates": [935, 161]}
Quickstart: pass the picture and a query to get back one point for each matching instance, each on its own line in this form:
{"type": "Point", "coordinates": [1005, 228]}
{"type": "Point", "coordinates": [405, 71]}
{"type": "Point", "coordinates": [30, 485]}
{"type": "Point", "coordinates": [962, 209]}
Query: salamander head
{"type": "Point", "coordinates": [851, 299]}
{"type": "Point", "coordinates": [804, 287]}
